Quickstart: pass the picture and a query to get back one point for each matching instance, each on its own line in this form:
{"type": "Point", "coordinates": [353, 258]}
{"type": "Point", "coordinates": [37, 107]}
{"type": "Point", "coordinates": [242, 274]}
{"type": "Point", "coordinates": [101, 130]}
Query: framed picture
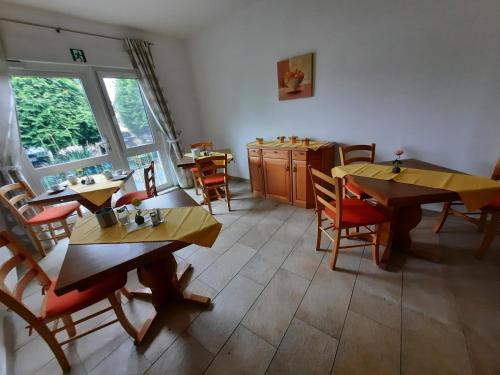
{"type": "Point", "coordinates": [295, 77]}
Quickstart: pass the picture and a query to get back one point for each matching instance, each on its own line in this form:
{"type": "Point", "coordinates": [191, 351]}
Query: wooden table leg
{"type": "Point", "coordinates": [163, 278]}
{"type": "Point", "coordinates": [91, 206]}
{"type": "Point", "coordinates": [396, 234]}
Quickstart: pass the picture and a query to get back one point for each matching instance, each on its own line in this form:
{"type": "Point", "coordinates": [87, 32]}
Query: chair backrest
{"type": "Point", "coordinates": [21, 258]}
{"type": "Point", "coordinates": [361, 153]}
{"type": "Point", "coordinates": [327, 193]}
{"type": "Point", "coordinates": [15, 198]}
{"type": "Point", "coordinates": [149, 180]}
{"type": "Point", "coordinates": [210, 166]}
{"type": "Point", "coordinates": [207, 144]}
{"type": "Point", "coordinates": [496, 171]}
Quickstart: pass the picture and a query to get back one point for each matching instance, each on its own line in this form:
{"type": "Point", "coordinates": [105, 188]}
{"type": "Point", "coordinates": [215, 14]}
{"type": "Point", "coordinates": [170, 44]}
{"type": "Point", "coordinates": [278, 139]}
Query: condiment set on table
{"type": "Point", "coordinates": [281, 140]}
{"type": "Point", "coordinates": [108, 217]}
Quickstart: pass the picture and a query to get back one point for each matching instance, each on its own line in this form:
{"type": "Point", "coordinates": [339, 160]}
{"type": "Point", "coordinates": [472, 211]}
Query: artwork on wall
{"type": "Point", "coordinates": [295, 77]}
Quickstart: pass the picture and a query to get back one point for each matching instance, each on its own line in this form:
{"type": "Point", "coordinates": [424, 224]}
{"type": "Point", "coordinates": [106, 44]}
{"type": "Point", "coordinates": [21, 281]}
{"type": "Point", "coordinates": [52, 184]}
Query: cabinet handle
{"type": "Point", "coordinates": [287, 168]}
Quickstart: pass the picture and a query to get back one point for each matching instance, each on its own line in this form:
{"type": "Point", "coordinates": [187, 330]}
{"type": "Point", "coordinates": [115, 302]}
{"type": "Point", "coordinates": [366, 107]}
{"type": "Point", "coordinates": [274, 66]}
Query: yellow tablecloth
{"type": "Point", "coordinates": [99, 192]}
{"type": "Point", "coordinates": [475, 191]}
{"type": "Point", "coordinates": [313, 145]}
{"type": "Point", "coordinates": [187, 224]}
{"type": "Point", "coordinates": [218, 162]}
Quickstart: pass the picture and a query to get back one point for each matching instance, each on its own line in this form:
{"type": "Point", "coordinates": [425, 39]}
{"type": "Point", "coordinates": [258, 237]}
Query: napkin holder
{"type": "Point", "coordinates": [106, 217]}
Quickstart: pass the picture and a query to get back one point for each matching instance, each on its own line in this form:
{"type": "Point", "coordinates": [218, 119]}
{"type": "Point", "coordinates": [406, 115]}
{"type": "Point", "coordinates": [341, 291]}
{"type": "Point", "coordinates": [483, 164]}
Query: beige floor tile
{"type": "Point", "coordinates": [229, 237]}
{"type": "Point", "coordinates": [227, 266]}
{"type": "Point", "coordinates": [304, 350]}
{"type": "Point", "coordinates": [260, 269]}
{"type": "Point", "coordinates": [283, 211]}
{"type": "Point", "coordinates": [483, 353]}
{"type": "Point", "coordinates": [53, 367]}
{"type": "Point", "coordinates": [245, 353]}
{"type": "Point", "coordinates": [201, 259]}
{"type": "Point", "coordinates": [367, 347]}
{"type": "Point", "coordinates": [187, 251]}
{"type": "Point", "coordinates": [327, 300]}
{"type": "Point", "coordinates": [431, 347]}
{"type": "Point", "coordinates": [125, 360]}
{"type": "Point", "coordinates": [275, 251]}
{"type": "Point", "coordinates": [427, 291]}
{"type": "Point", "coordinates": [382, 310]}
{"type": "Point", "coordinates": [261, 232]}
{"type": "Point", "coordinates": [212, 328]}
{"type": "Point", "coordinates": [32, 356]}
{"type": "Point", "coordinates": [197, 286]}
{"type": "Point", "coordinates": [303, 263]}
{"type": "Point", "coordinates": [170, 325]}
{"type": "Point", "coordinates": [271, 314]}
{"type": "Point", "coordinates": [185, 357]}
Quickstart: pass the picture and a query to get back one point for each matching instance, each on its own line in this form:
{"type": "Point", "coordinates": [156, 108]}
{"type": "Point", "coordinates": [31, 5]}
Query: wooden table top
{"type": "Point", "coordinates": [188, 161]}
{"type": "Point", "coordinates": [392, 194]}
{"type": "Point", "coordinates": [67, 195]}
{"type": "Point", "coordinates": [86, 264]}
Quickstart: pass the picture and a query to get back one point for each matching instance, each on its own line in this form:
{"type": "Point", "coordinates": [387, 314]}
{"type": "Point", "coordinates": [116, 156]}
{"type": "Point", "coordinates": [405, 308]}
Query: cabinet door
{"type": "Point", "coordinates": [300, 182]}
{"type": "Point", "coordinates": [256, 177]}
{"type": "Point", "coordinates": [303, 194]}
{"type": "Point", "coordinates": [277, 178]}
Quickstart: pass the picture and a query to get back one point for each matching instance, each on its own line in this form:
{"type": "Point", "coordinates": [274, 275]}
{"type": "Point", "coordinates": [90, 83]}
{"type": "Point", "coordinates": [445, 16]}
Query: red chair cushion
{"type": "Point", "coordinates": [54, 213]}
{"type": "Point", "coordinates": [355, 189]}
{"type": "Point", "coordinates": [75, 300]}
{"type": "Point", "coordinates": [194, 170]}
{"type": "Point", "coordinates": [212, 180]}
{"type": "Point", "coordinates": [356, 212]}
{"type": "Point", "coordinates": [129, 197]}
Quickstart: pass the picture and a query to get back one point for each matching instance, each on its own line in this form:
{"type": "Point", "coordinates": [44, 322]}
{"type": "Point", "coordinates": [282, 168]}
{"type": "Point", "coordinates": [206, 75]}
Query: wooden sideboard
{"type": "Point", "coordinates": [281, 173]}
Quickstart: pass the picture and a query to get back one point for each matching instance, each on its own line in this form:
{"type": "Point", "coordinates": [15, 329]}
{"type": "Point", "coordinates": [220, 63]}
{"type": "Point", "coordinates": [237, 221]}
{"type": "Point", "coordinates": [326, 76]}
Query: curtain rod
{"type": "Point", "coordinates": [59, 29]}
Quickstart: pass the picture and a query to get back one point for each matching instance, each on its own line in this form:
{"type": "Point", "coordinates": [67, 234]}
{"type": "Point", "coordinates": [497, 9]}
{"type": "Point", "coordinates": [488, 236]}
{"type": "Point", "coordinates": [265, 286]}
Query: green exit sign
{"type": "Point", "coordinates": [78, 55]}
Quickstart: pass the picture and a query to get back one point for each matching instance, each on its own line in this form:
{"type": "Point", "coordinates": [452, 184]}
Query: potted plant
{"type": "Point", "coordinates": [139, 219]}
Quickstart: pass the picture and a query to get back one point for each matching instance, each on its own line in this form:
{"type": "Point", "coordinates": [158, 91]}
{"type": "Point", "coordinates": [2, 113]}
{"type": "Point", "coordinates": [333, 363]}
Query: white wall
{"type": "Point", "coordinates": [424, 75]}
{"type": "Point", "coordinates": [30, 43]}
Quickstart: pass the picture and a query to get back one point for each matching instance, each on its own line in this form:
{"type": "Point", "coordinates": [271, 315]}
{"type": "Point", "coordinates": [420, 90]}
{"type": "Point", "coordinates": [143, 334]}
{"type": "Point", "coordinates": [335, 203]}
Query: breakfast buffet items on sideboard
{"type": "Point", "coordinates": [279, 170]}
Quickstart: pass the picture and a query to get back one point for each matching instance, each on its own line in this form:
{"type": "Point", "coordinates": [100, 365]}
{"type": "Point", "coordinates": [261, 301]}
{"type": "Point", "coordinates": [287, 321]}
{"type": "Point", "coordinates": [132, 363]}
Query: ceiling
{"type": "Point", "coordinates": [173, 17]}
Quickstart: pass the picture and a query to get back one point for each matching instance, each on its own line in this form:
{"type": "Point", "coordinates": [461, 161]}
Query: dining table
{"type": "Point", "coordinates": [188, 161]}
{"type": "Point", "coordinates": [404, 203]}
{"type": "Point", "coordinates": [93, 197]}
{"type": "Point", "coordinates": [157, 269]}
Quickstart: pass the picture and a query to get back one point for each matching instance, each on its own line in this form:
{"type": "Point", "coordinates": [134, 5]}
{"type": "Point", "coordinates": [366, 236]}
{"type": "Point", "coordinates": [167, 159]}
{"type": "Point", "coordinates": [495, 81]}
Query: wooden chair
{"type": "Point", "coordinates": [471, 217]}
{"type": "Point", "coordinates": [38, 219]}
{"type": "Point", "coordinates": [211, 179]}
{"type": "Point", "coordinates": [356, 154]}
{"type": "Point", "coordinates": [210, 146]}
{"type": "Point", "coordinates": [489, 227]}
{"type": "Point", "coordinates": [344, 213]}
{"type": "Point", "coordinates": [149, 182]}
{"type": "Point", "coordinates": [55, 308]}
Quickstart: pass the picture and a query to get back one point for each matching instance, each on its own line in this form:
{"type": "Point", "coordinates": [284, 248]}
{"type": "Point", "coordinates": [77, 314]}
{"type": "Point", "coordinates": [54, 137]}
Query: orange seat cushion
{"type": "Point", "coordinates": [194, 170]}
{"type": "Point", "coordinates": [75, 300]}
{"type": "Point", "coordinates": [54, 213]}
{"type": "Point", "coordinates": [212, 180]}
{"type": "Point", "coordinates": [129, 197]}
{"type": "Point", "coordinates": [356, 212]}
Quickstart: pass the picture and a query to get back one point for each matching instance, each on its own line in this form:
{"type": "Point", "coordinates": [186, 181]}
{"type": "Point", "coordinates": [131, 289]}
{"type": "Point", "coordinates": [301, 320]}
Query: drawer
{"type": "Point", "coordinates": [275, 154]}
{"type": "Point", "coordinates": [299, 155]}
{"type": "Point", "coordinates": [253, 152]}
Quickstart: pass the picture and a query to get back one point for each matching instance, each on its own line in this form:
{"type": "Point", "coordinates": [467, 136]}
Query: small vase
{"type": "Point", "coordinates": [139, 219]}
{"type": "Point", "coordinates": [396, 169]}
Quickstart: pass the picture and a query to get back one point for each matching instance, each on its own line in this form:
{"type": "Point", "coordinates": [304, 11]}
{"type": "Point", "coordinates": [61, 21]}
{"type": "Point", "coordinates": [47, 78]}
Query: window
{"type": "Point", "coordinates": [56, 123]}
{"type": "Point", "coordinates": [48, 181]}
{"type": "Point", "coordinates": [128, 106]}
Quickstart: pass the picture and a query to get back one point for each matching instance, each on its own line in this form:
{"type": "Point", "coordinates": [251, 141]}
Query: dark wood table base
{"type": "Point", "coordinates": [163, 278]}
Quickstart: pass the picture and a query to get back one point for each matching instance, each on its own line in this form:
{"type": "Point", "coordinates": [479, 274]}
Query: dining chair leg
{"type": "Point", "coordinates": [52, 233]}
{"type": "Point", "coordinates": [376, 244]}
{"type": "Point", "coordinates": [70, 326]}
{"type": "Point", "coordinates": [195, 181]}
{"type": "Point", "coordinates": [79, 212]}
{"type": "Point", "coordinates": [38, 243]}
{"type": "Point", "coordinates": [318, 230]}
{"type": "Point", "coordinates": [206, 197]}
{"type": "Point", "coordinates": [226, 193]}
{"type": "Point", "coordinates": [482, 221]}
{"type": "Point", "coordinates": [115, 302]}
{"type": "Point", "coordinates": [335, 250]}
{"type": "Point", "coordinates": [65, 225]}
{"type": "Point", "coordinates": [442, 217]}
{"type": "Point", "coordinates": [489, 234]}
{"type": "Point", "coordinates": [51, 341]}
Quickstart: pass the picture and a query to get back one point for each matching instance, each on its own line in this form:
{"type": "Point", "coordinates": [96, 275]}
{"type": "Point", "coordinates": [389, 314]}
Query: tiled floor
{"type": "Point", "coordinates": [278, 309]}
